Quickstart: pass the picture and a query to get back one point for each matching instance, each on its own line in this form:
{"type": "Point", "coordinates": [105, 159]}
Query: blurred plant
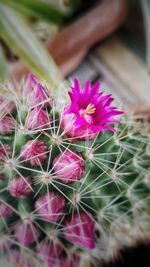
{"type": "Point", "coordinates": [16, 33]}
{"type": "Point", "coordinates": [74, 183]}
{"type": "Point", "coordinates": [146, 15]}
{"type": "Point", "coordinates": [3, 66]}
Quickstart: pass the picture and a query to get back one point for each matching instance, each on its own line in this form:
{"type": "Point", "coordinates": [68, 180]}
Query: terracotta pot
{"type": "Point", "coordinates": [71, 44]}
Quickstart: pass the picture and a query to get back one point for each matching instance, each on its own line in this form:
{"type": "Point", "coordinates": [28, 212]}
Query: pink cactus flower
{"type": "Point", "coordinates": [6, 106]}
{"type": "Point", "coordinates": [5, 210]}
{"type": "Point", "coordinates": [80, 229]}
{"type": "Point", "coordinates": [7, 125]}
{"type": "Point", "coordinates": [68, 166]}
{"type": "Point", "coordinates": [50, 206]}
{"type": "Point", "coordinates": [5, 152]}
{"type": "Point", "coordinates": [89, 112]}
{"type": "Point", "coordinates": [35, 93]}
{"type": "Point", "coordinates": [19, 187]}
{"type": "Point", "coordinates": [38, 119]}
{"type": "Point", "coordinates": [34, 152]}
{"type": "Point", "coordinates": [27, 233]}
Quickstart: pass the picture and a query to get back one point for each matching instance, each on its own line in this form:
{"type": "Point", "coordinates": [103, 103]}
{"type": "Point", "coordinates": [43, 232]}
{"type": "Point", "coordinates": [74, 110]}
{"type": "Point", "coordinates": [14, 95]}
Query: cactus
{"type": "Point", "coordinates": [74, 180]}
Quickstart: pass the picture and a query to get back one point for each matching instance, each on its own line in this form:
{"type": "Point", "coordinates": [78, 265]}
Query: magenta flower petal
{"type": "Point", "coordinates": [80, 229]}
{"type": "Point", "coordinates": [50, 206]}
{"type": "Point", "coordinates": [19, 187]}
{"type": "Point", "coordinates": [68, 166]}
{"type": "Point", "coordinates": [34, 152]}
{"type": "Point", "coordinates": [89, 112]}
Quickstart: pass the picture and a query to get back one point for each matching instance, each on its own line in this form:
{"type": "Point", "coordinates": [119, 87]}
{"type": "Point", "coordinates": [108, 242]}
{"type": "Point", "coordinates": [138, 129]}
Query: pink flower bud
{"type": "Point", "coordinates": [18, 259]}
{"type": "Point", "coordinates": [50, 251]}
{"type": "Point", "coordinates": [37, 119]}
{"type": "Point", "coordinates": [5, 210]}
{"type": "Point", "coordinates": [35, 93]}
{"type": "Point", "coordinates": [6, 106]}
{"type": "Point", "coordinates": [68, 166]}
{"type": "Point", "coordinates": [19, 187]}
{"type": "Point", "coordinates": [50, 206]}
{"type": "Point", "coordinates": [34, 152]}
{"type": "Point", "coordinates": [27, 233]}
{"type": "Point", "coordinates": [4, 243]}
{"type": "Point", "coordinates": [14, 258]}
{"type": "Point", "coordinates": [7, 125]}
{"type": "Point", "coordinates": [80, 229]}
{"type": "Point", "coordinates": [5, 152]}
{"type": "Point", "coordinates": [71, 261]}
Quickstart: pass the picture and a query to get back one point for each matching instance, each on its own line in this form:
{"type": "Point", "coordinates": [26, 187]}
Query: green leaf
{"type": "Point", "coordinates": [3, 67]}
{"type": "Point", "coordinates": [18, 36]}
{"type": "Point", "coordinates": [47, 10]}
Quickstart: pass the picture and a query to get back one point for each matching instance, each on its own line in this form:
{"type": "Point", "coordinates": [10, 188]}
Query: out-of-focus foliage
{"type": "Point", "coordinates": [48, 10]}
{"type": "Point", "coordinates": [17, 34]}
{"type": "Point", "coordinates": [3, 66]}
{"type": "Point", "coordinates": [146, 15]}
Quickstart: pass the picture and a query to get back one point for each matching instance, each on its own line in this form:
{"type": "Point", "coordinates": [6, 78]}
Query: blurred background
{"type": "Point", "coordinates": [94, 39]}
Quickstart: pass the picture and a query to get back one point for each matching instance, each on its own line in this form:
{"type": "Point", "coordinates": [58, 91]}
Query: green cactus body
{"type": "Point", "coordinates": [108, 187]}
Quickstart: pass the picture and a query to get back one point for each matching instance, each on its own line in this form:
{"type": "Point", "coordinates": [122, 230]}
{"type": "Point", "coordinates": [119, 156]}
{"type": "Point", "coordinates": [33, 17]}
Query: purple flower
{"type": "Point", "coordinates": [19, 187]}
{"type": "Point", "coordinates": [34, 152]}
{"type": "Point", "coordinates": [35, 93]}
{"type": "Point", "coordinates": [89, 112]}
{"type": "Point", "coordinates": [68, 166]}
{"type": "Point", "coordinates": [80, 229]}
{"type": "Point", "coordinates": [50, 206]}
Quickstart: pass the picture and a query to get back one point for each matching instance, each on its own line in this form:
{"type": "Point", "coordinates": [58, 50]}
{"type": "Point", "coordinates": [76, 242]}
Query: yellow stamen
{"type": "Point", "coordinates": [90, 109]}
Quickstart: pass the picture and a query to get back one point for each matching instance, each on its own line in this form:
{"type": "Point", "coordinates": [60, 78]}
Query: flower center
{"type": "Point", "coordinates": [90, 109]}
{"type": "Point", "coordinates": [86, 113]}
